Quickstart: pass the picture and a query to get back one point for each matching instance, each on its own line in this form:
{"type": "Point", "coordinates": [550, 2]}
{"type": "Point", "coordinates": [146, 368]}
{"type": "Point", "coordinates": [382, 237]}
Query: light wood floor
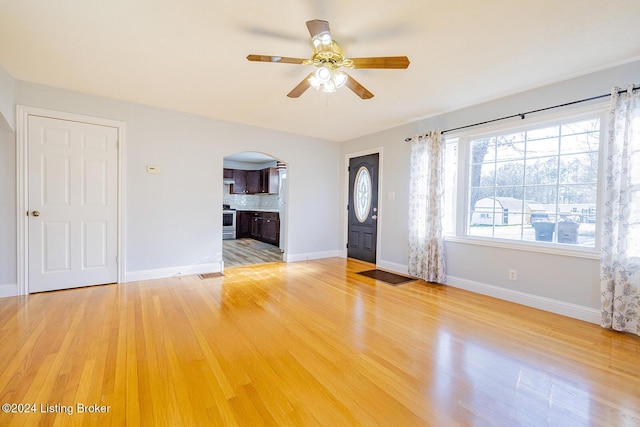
{"type": "Point", "coordinates": [308, 343]}
{"type": "Point", "coordinates": [249, 252]}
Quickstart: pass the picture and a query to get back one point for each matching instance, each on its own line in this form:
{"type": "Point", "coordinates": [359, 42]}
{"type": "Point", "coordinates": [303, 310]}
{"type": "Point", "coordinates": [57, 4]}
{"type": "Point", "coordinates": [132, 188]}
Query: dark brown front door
{"type": "Point", "coordinates": [363, 208]}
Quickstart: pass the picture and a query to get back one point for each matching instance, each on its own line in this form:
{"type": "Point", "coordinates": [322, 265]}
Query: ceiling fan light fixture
{"type": "Point", "coordinates": [322, 42]}
{"type": "Point", "coordinates": [323, 74]}
{"type": "Point", "coordinates": [325, 38]}
{"type": "Point", "coordinates": [339, 78]}
{"type": "Point", "coordinates": [329, 86]}
{"type": "Point", "coordinates": [327, 80]}
{"type": "Point", "coordinates": [314, 82]}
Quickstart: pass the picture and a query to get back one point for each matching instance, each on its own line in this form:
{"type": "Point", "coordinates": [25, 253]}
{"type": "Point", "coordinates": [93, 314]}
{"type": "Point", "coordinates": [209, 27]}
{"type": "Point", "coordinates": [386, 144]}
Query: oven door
{"type": "Point", "coordinates": [228, 225]}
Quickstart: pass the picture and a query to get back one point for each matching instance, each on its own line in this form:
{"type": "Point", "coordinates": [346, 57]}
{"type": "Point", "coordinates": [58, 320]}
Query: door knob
{"type": "Point", "coordinates": [374, 217]}
{"type": "Point", "coordinates": [35, 213]}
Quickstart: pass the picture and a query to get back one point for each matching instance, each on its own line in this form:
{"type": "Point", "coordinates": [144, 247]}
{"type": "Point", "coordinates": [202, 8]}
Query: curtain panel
{"type": "Point", "coordinates": [426, 203]}
{"type": "Point", "coordinates": [620, 239]}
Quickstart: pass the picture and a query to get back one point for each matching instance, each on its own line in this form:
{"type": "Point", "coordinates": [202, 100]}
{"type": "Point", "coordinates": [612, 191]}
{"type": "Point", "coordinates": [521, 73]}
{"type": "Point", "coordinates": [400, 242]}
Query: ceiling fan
{"type": "Point", "coordinates": [329, 58]}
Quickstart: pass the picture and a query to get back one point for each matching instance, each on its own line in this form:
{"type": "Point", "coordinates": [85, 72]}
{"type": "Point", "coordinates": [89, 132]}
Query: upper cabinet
{"type": "Point", "coordinates": [254, 182]}
{"type": "Point", "coordinates": [264, 181]}
{"type": "Point", "coordinates": [270, 180]}
{"type": "Point", "coordinates": [239, 185]}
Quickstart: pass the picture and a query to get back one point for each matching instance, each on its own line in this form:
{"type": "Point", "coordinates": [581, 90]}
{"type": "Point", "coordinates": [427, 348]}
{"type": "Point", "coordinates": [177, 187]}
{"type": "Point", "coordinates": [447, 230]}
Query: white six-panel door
{"type": "Point", "coordinates": [72, 230]}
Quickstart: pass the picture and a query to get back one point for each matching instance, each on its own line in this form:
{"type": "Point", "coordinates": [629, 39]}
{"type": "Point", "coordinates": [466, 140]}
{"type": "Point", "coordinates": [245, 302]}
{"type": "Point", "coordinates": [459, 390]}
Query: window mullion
{"type": "Point", "coordinates": [557, 214]}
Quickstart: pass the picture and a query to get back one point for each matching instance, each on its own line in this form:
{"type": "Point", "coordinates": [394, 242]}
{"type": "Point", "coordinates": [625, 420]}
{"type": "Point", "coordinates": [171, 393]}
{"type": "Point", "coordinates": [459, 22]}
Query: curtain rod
{"type": "Point", "coordinates": [522, 115]}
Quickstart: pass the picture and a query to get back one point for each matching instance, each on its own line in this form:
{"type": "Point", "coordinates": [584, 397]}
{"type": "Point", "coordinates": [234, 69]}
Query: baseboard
{"type": "Point", "coordinates": [161, 273]}
{"type": "Point", "coordinates": [8, 291]}
{"type": "Point", "coordinates": [392, 266]}
{"type": "Point", "coordinates": [574, 311]}
{"type": "Point", "coordinates": [310, 255]}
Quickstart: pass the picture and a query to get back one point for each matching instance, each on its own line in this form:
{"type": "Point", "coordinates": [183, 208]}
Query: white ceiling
{"type": "Point", "coordinates": [189, 55]}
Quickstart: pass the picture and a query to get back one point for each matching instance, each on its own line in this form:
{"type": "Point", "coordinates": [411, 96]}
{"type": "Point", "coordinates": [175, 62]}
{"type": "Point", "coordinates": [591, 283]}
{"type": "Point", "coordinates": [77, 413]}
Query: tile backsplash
{"type": "Point", "coordinates": [249, 201]}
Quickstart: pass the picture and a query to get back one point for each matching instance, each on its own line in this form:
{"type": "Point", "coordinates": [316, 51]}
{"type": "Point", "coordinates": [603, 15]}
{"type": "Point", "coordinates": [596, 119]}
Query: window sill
{"type": "Point", "coordinates": [550, 249]}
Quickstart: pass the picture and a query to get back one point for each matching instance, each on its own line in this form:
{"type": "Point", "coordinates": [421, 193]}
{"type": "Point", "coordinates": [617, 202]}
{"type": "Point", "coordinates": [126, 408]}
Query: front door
{"type": "Point", "coordinates": [72, 232]}
{"type": "Point", "coordinates": [363, 208]}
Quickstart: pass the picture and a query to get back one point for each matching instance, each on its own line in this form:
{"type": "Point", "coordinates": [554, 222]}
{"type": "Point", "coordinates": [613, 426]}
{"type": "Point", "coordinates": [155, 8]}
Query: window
{"type": "Point", "coordinates": [362, 194]}
{"type": "Point", "coordinates": [537, 184]}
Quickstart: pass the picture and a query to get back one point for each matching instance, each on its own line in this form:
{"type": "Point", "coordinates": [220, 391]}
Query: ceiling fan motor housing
{"type": "Point", "coordinates": [332, 57]}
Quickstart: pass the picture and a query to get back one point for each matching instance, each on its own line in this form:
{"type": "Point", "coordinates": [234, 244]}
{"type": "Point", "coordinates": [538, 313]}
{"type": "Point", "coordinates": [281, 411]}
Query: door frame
{"type": "Point", "coordinates": [347, 158]}
{"type": "Point", "coordinates": [22, 186]}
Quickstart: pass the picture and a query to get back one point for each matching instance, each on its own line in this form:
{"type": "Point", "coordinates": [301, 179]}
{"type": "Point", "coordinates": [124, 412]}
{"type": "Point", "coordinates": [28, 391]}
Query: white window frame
{"type": "Point", "coordinates": [459, 215]}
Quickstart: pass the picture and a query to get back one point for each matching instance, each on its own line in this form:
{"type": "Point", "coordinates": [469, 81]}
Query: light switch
{"type": "Point", "coordinates": [153, 169]}
{"type": "Point", "coordinates": [392, 195]}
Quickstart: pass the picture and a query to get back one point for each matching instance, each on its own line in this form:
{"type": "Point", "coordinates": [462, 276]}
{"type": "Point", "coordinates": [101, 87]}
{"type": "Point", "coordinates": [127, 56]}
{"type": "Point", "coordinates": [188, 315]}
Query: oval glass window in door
{"type": "Point", "coordinates": [362, 194]}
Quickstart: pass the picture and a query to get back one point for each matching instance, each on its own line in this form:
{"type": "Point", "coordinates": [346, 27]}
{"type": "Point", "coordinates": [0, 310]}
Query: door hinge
{"type": "Point", "coordinates": [347, 246]}
{"type": "Point", "coordinates": [348, 168]}
{"type": "Point", "coordinates": [347, 206]}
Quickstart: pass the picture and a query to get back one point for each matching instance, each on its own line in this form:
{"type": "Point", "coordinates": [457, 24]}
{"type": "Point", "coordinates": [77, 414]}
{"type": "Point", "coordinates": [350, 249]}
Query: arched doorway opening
{"type": "Point", "coordinates": [254, 215]}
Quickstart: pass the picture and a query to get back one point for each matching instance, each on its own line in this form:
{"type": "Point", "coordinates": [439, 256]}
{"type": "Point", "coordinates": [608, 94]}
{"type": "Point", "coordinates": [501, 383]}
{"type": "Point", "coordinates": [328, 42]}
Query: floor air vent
{"type": "Point", "coordinates": [209, 275]}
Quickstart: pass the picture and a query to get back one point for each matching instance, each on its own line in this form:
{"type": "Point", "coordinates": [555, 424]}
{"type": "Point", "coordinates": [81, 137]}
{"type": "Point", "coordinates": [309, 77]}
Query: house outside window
{"type": "Point", "coordinates": [535, 185]}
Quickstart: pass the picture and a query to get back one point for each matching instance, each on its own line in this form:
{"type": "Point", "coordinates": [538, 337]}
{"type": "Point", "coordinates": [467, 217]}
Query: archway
{"type": "Point", "coordinates": [254, 209]}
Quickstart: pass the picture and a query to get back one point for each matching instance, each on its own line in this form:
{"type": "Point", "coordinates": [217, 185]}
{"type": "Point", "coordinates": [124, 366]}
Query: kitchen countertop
{"type": "Point", "coordinates": [257, 210]}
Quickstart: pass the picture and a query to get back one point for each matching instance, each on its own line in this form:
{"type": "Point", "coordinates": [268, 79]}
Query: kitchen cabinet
{"type": "Point", "coordinates": [270, 232]}
{"type": "Point", "coordinates": [254, 182]}
{"type": "Point", "coordinates": [227, 173]}
{"type": "Point", "coordinates": [262, 181]}
{"type": "Point", "coordinates": [270, 180]}
{"type": "Point", "coordinates": [244, 220]}
{"type": "Point", "coordinates": [239, 185]}
{"type": "Point", "coordinates": [259, 225]}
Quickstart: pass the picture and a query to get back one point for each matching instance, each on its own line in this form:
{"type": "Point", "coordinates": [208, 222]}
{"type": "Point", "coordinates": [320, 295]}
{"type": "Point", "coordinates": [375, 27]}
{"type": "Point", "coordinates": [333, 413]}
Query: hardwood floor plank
{"type": "Point", "coordinates": [308, 343]}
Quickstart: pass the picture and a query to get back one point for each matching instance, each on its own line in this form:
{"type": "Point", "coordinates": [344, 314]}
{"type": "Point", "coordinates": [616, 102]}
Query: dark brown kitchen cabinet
{"type": "Point", "coordinates": [262, 226]}
{"type": "Point", "coordinates": [270, 180]}
{"type": "Point", "coordinates": [227, 173]}
{"type": "Point", "coordinates": [239, 185]}
{"type": "Point", "coordinates": [270, 232]}
{"type": "Point", "coordinates": [263, 181]}
{"type": "Point", "coordinates": [254, 182]}
{"type": "Point", "coordinates": [244, 221]}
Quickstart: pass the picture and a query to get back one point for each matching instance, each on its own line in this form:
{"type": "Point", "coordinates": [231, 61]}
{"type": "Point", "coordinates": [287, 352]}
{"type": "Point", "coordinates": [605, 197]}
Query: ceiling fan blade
{"type": "Point", "coordinates": [381, 62]}
{"type": "Point", "coordinates": [317, 26]}
{"type": "Point", "coordinates": [267, 58]}
{"type": "Point", "coordinates": [300, 88]}
{"type": "Point", "coordinates": [357, 88]}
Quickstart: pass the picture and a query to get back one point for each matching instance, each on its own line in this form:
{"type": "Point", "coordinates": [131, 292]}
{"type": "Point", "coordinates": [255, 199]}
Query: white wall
{"type": "Point", "coordinates": [558, 283]}
{"type": "Point", "coordinates": [7, 91]}
{"type": "Point", "coordinates": [7, 213]}
{"type": "Point", "coordinates": [7, 186]}
{"type": "Point", "coordinates": [174, 219]}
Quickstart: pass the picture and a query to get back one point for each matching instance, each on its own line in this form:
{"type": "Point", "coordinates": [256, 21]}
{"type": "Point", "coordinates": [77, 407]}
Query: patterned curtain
{"type": "Point", "coordinates": [620, 260]}
{"type": "Point", "coordinates": [426, 193]}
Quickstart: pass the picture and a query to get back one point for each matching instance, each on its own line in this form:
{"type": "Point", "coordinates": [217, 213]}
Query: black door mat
{"type": "Point", "coordinates": [385, 276]}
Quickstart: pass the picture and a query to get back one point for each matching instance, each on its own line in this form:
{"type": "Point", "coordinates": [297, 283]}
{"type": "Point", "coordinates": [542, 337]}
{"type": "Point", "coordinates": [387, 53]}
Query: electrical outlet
{"type": "Point", "coordinates": [513, 274]}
